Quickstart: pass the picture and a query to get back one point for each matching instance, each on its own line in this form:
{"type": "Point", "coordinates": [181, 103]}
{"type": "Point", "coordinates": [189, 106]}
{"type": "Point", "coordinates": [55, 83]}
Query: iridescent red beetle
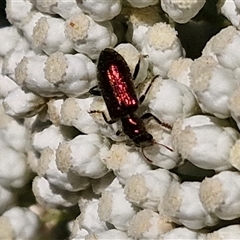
{"type": "Point", "coordinates": [117, 89]}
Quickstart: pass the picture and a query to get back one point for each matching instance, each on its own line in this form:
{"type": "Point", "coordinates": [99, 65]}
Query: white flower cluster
{"type": "Point", "coordinates": [54, 133]}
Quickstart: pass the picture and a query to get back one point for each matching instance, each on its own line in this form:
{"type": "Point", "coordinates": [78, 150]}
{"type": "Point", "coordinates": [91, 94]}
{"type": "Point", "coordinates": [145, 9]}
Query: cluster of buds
{"type": "Point", "coordinates": [59, 139]}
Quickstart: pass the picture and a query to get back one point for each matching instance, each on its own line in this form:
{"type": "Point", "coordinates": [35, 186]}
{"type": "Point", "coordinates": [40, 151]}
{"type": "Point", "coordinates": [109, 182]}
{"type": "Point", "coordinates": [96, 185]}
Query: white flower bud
{"type": "Point", "coordinates": [71, 74]}
{"type": "Point", "coordinates": [19, 103]}
{"type": "Point", "coordinates": [21, 222]}
{"type": "Point", "coordinates": [89, 219]}
{"type": "Point", "coordinates": [169, 100]}
{"type": "Point", "coordinates": [7, 199]}
{"type": "Point", "coordinates": [30, 73]}
{"type": "Point", "coordinates": [182, 204]}
{"type": "Point", "coordinates": [16, 13]}
{"type": "Point", "coordinates": [181, 11]}
{"type": "Point", "coordinates": [140, 20]}
{"type": "Point", "coordinates": [101, 10]}
{"type": "Point", "coordinates": [148, 188]}
{"type": "Point", "coordinates": [124, 161]}
{"type": "Point", "coordinates": [162, 46]}
{"type": "Point", "coordinates": [75, 112]}
{"type": "Point", "coordinates": [28, 23]}
{"type": "Point", "coordinates": [48, 137]}
{"type": "Point", "coordinates": [147, 224]}
{"type": "Point", "coordinates": [88, 36]}
{"type": "Point", "coordinates": [49, 36]}
{"type": "Point", "coordinates": [182, 233]}
{"type": "Point", "coordinates": [9, 37]}
{"type": "Point", "coordinates": [205, 75]}
{"type": "Point", "coordinates": [7, 85]}
{"type": "Point", "coordinates": [13, 133]}
{"type": "Point", "coordinates": [50, 196]}
{"type": "Point", "coordinates": [12, 58]}
{"type": "Point", "coordinates": [64, 8]}
{"type": "Point", "coordinates": [47, 167]}
{"type": "Point", "coordinates": [220, 195]}
{"type": "Point", "coordinates": [226, 233]}
{"type": "Point", "coordinates": [204, 142]}
{"type": "Point", "coordinates": [222, 47]}
{"type": "Point", "coordinates": [16, 176]}
{"type": "Point", "coordinates": [115, 209]}
{"type": "Point", "coordinates": [179, 70]}
{"type": "Point", "coordinates": [82, 155]}
{"type": "Point", "coordinates": [230, 9]}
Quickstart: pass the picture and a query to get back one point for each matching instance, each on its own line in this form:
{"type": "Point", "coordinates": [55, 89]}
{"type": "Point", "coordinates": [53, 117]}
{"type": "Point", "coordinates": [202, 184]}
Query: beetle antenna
{"type": "Point", "coordinates": [149, 160]}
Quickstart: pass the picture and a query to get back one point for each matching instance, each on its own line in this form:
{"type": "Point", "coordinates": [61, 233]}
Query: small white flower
{"type": "Point", "coordinates": [19, 103]}
{"type": "Point", "coordinates": [71, 74]}
{"type": "Point", "coordinates": [168, 100]}
{"type": "Point", "coordinates": [64, 8]}
{"type": "Point", "coordinates": [229, 232]}
{"type": "Point", "coordinates": [47, 167]}
{"type": "Point", "coordinates": [16, 13]}
{"type": "Point", "coordinates": [222, 47]}
{"type": "Point", "coordinates": [12, 58]}
{"type": "Point", "coordinates": [82, 155]}
{"type": "Point", "coordinates": [204, 141]}
{"type": "Point", "coordinates": [49, 36]}
{"type": "Point", "coordinates": [14, 134]}
{"type": "Point", "coordinates": [182, 233]}
{"type": "Point", "coordinates": [88, 36]}
{"type": "Point", "coordinates": [220, 195]}
{"type": "Point", "coordinates": [73, 112]}
{"type": "Point", "coordinates": [179, 70]}
{"type": "Point", "coordinates": [115, 209]}
{"type": "Point", "coordinates": [181, 11]}
{"type": "Point", "coordinates": [56, 75]}
{"type": "Point", "coordinates": [9, 36]}
{"type": "Point", "coordinates": [230, 9]}
{"type": "Point", "coordinates": [7, 199]}
{"type": "Point", "coordinates": [147, 224]}
{"type": "Point", "coordinates": [89, 219]}
{"type": "Point", "coordinates": [27, 25]}
{"type": "Point", "coordinates": [162, 46]}
{"type": "Point", "coordinates": [148, 188]}
{"type": "Point", "coordinates": [7, 85]}
{"type": "Point", "coordinates": [27, 228]}
{"type": "Point", "coordinates": [100, 10]}
{"type": "Point", "coordinates": [50, 196]}
{"type": "Point", "coordinates": [140, 20]}
{"type": "Point", "coordinates": [212, 85]}
{"type": "Point", "coordinates": [182, 204]}
{"type": "Point", "coordinates": [125, 161]}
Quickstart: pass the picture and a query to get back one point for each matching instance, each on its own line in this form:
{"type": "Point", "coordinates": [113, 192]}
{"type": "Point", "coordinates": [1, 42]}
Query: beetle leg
{"type": "Point", "coordinates": [141, 99]}
{"type": "Point", "coordinates": [148, 115]}
{"type": "Point", "coordinates": [109, 121]}
{"type": "Point", "coordinates": [136, 70]}
{"type": "Point", "coordinates": [95, 91]}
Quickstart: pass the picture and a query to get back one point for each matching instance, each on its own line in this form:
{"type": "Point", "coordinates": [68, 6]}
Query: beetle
{"type": "Point", "coordinates": [116, 86]}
